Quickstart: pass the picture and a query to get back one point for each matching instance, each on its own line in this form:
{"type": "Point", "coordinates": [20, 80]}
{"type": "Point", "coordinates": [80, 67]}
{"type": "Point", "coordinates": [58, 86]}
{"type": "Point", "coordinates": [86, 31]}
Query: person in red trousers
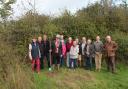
{"type": "Point", "coordinates": [34, 54]}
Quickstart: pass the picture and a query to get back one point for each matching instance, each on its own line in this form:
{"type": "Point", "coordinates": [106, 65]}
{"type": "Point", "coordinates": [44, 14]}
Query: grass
{"type": "Point", "coordinates": [82, 79]}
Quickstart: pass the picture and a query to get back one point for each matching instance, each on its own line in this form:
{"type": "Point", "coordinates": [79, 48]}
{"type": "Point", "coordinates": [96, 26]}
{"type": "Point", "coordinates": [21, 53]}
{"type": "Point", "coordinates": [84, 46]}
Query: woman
{"type": "Point", "coordinates": [74, 55]}
{"type": "Point", "coordinates": [34, 54]}
{"type": "Point", "coordinates": [89, 51]}
{"type": "Point", "coordinates": [56, 52]}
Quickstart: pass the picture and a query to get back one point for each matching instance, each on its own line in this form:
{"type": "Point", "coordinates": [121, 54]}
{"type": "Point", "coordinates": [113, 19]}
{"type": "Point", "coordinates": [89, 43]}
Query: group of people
{"type": "Point", "coordinates": [72, 53]}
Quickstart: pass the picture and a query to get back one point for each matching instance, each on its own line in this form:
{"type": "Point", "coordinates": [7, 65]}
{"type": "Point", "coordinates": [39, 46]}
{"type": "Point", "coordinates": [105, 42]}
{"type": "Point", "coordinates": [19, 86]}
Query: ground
{"type": "Point", "coordinates": [82, 79]}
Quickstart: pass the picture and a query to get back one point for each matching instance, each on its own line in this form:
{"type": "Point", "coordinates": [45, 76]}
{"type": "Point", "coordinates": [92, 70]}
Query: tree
{"type": "Point", "coordinates": [5, 9]}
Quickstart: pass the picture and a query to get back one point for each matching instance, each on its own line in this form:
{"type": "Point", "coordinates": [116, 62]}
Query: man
{"type": "Point", "coordinates": [41, 51]}
{"type": "Point", "coordinates": [68, 46]}
{"type": "Point", "coordinates": [81, 53]}
{"type": "Point", "coordinates": [98, 48]}
{"type": "Point", "coordinates": [89, 51]}
{"type": "Point", "coordinates": [34, 54]}
{"type": "Point", "coordinates": [46, 50]}
{"type": "Point", "coordinates": [62, 50]}
{"type": "Point", "coordinates": [110, 48]}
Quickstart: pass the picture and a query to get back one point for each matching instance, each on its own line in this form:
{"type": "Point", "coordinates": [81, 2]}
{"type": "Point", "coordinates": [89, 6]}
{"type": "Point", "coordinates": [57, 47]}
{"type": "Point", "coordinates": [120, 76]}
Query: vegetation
{"type": "Point", "coordinates": [101, 18]}
{"type": "Point", "coordinates": [82, 79]}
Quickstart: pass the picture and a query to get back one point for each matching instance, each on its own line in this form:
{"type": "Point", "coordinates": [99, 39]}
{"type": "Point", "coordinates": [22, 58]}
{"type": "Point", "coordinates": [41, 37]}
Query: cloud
{"type": "Point", "coordinates": [50, 6]}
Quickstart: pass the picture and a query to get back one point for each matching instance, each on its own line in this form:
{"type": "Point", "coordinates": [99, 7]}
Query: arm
{"type": "Point", "coordinates": [30, 48]}
{"type": "Point", "coordinates": [115, 46]}
{"type": "Point", "coordinates": [102, 47]}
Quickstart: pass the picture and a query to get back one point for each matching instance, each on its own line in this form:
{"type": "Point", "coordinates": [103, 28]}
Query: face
{"type": "Point", "coordinates": [83, 39]}
{"type": "Point", "coordinates": [45, 37]}
{"type": "Point", "coordinates": [34, 40]}
{"type": "Point", "coordinates": [57, 39]}
{"type": "Point", "coordinates": [89, 41]}
{"type": "Point", "coordinates": [40, 39]}
{"type": "Point", "coordinates": [70, 39]}
{"type": "Point", "coordinates": [108, 38]}
{"type": "Point", "coordinates": [77, 41]}
{"type": "Point", "coordinates": [74, 43]}
{"type": "Point", "coordinates": [61, 37]}
{"type": "Point", "coordinates": [97, 38]}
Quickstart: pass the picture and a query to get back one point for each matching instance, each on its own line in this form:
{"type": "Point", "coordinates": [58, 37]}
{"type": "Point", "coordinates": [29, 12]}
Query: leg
{"type": "Point", "coordinates": [90, 63]}
{"type": "Point", "coordinates": [108, 64]}
{"type": "Point", "coordinates": [42, 62]}
{"type": "Point", "coordinates": [96, 61]}
{"type": "Point", "coordinates": [80, 60]}
{"type": "Point", "coordinates": [100, 60]}
{"type": "Point", "coordinates": [87, 63]}
{"type": "Point", "coordinates": [75, 60]}
{"type": "Point", "coordinates": [70, 63]}
{"type": "Point", "coordinates": [53, 61]}
{"type": "Point", "coordinates": [68, 59]}
{"type": "Point", "coordinates": [113, 64]}
{"type": "Point", "coordinates": [33, 64]}
{"type": "Point", "coordinates": [58, 61]}
{"type": "Point", "coordinates": [38, 65]}
{"type": "Point", "coordinates": [61, 61]}
{"type": "Point", "coordinates": [48, 60]}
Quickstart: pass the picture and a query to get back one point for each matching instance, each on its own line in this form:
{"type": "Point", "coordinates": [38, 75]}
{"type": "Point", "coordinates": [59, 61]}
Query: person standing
{"type": "Point", "coordinates": [41, 51]}
{"type": "Point", "coordinates": [46, 50]}
{"type": "Point", "coordinates": [68, 47]}
{"type": "Point", "coordinates": [62, 50]}
{"type": "Point", "coordinates": [73, 55]}
{"type": "Point", "coordinates": [89, 51]}
{"type": "Point", "coordinates": [34, 54]}
{"type": "Point", "coordinates": [80, 52]}
{"type": "Point", "coordinates": [110, 49]}
{"type": "Point", "coordinates": [56, 52]}
{"type": "Point", "coordinates": [98, 48]}
{"type": "Point", "coordinates": [82, 46]}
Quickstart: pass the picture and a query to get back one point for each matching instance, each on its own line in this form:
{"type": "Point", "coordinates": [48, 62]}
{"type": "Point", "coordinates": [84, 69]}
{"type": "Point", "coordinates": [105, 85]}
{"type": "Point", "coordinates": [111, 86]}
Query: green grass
{"type": "Point", "coordinates": [82, 79]}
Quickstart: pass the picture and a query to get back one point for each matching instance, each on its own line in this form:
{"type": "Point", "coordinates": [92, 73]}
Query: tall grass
{"type": "Point", "coordinates": [14, 74]}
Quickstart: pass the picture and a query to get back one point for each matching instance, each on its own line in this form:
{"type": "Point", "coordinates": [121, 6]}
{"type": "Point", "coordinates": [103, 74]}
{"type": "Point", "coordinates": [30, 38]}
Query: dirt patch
{"type": "Point", "coordinates": [51, 74]}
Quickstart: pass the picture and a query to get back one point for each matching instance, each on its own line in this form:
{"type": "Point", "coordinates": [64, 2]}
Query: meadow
{"type": "Point", "coordinates": [82, 79]}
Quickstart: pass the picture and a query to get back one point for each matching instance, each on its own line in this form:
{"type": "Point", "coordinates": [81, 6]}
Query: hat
{"type": "Point", "coordinates": [57, 36]}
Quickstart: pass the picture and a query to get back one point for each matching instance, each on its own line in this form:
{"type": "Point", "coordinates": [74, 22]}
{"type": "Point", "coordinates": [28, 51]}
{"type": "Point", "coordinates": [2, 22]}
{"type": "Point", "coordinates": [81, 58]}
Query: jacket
{"type": "Point", "coordinates": [110, 48]}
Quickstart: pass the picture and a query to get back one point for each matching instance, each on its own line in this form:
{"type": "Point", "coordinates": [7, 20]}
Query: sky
{"type": "Point", "coordinates": [49, 7]}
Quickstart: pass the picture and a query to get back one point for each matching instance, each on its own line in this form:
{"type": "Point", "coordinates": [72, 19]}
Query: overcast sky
{"type": "Point", "coordinates": [51, 7]}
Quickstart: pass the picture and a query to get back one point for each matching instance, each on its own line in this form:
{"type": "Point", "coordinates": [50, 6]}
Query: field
{"type": "Point", "coordinates": [82, 79]}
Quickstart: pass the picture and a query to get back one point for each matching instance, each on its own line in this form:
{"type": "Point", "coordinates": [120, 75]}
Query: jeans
{"type": "Point", "coordinates": [42, 60]}
{"type": "Point", "coordinates": [88, 63]}
{"type": "Point", "coordinates": [68, 59]}
{"type": "Point", "coordinates": [61, 61]}
{"type": "Point", "coordinates": [72, 63]}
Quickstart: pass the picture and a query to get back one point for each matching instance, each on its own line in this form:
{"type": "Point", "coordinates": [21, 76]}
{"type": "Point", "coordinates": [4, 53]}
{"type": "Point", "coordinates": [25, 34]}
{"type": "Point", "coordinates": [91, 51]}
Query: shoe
{"type": "Point", "coordinates": [50, 69]}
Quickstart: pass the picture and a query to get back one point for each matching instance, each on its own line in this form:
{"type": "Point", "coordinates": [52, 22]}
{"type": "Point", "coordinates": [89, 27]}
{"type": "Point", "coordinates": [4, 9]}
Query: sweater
{"type": "Point", "coordinates": [74, 52]}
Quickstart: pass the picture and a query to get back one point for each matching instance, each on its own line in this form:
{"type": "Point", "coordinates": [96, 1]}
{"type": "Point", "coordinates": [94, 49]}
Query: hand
{"type": "Point", "coordinates": [61, 55]}
{"type": "Point", "coordinates": [50, 50]}
{"type": "Point", "coordinates": [30, 58]}
{"type": "Point", "coordinates": [87, 53]}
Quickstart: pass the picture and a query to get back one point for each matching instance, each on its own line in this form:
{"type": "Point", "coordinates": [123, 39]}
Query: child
{"type": "Point", "coordinates": [74, 55]}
